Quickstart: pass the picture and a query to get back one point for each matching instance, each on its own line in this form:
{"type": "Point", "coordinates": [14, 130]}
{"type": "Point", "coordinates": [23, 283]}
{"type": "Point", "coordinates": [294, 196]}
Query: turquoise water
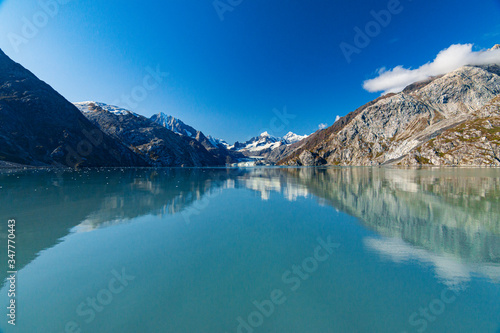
{"type": "Point", "coordinates": [253, 250]}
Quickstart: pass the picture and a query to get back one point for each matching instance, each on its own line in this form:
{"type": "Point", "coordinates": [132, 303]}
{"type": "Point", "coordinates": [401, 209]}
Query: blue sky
{"type": "Point", "coordinates": [225, 77]}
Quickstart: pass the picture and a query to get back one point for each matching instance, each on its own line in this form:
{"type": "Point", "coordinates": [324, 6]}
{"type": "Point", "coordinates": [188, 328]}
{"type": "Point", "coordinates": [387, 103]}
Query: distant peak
{"type": "Point", "coordinates": [86, 103]}
{"type": "Point", "coordinates": [162, 117]}
{"type": "Point", "coordinates": [496, 47]}
{"type": "Point", "coordinates": [103, 105]}
{"type": "Point", "coordinates": [264, 134]}
{"type": "Point", "coordinates": [291, 137]}
{"type": "Point", "coordinates": [90, 106]}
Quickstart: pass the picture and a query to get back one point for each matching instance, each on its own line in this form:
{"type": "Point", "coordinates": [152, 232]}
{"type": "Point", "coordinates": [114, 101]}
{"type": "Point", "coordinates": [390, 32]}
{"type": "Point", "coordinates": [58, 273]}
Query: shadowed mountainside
{"type": "Point", "coordinates": [39, 127]}
{"type": "Point", "coordinates": [159, 146]}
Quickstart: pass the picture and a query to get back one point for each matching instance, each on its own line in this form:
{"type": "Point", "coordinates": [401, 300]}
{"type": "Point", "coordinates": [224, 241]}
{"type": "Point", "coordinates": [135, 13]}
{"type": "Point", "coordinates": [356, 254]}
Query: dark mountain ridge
{"type": "Point", "coordinates": [39, 127]}
{"type": "Point", "coordinates": [159, 146]}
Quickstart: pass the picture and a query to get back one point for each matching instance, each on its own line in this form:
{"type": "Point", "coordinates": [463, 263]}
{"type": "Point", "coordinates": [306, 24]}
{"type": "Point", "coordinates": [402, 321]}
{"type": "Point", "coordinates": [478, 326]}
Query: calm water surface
{"type": "Point", "coordinates": [256, 250]}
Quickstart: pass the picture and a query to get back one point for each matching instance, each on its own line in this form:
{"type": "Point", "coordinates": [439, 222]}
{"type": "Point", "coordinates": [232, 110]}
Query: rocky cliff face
{"type": "Point", "coordinates": [395, 129]}
{"type": "Point", "coordinates": [476, 141]}
{"type": "Point", "coordinates": [174, 124]}
{"type": "Point", "coordinates": [39, 127]}
{"type": "Point", "coordinates": [218, 150]}
{"type": "Point", "coordinates": [216, 147]}
{"type": "Point", "coordinates": [159, 146]}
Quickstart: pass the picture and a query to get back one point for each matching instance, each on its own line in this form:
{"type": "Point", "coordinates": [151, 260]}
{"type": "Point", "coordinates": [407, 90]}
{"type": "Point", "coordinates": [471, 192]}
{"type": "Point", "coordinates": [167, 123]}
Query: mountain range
{"type": "Point", "coordinates": [452, 119]}
{"type": "Point", "coordinates": [174, 124]}
{"type": "Point", "coordinates": [448, 120]}
{"type": "Point", "coordinates": [263, 145]}
{"type": "Point", "coordinates": [39, 127]}
{"type": "Point", "coordinates": [157, 145]}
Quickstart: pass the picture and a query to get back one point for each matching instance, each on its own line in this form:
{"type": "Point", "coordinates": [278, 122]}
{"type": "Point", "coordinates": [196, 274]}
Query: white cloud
{"type": "Point", "coordinates": [337, 118]}
{"type": "Point", "coordinates": [322, 126]}
{"type": "Point", "coordinates": [456, 56]}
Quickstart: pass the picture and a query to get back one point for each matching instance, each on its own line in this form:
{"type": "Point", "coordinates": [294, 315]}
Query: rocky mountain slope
{"type": "Point", "coordinates": [398, 129]}
{"type": "Point", "coordinates": [39, 127]}
{"type": "Point", "coordinates": [261, 146]}
{"type": "Point", "coordinates": [473, 142]}
{"type": "Point", "coordinates": [158, 145]}
{"type": "Point", "coordinates": [174, 124]}
{"type": "Point", "coordinates": [218, 148]}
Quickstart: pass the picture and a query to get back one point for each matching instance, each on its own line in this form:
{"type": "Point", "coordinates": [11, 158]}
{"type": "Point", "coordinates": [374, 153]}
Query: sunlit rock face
{"type": "Point", "coordinates": [404, 128]}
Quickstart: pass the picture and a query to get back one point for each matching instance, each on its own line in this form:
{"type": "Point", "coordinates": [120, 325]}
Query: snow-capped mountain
{"type": "Point", "coordinates": [265, 143]}
{"type": "Point", "coordinates": [218, 142]}
{"type": "Point", "coordinates": [39, 127]}
{"type": "Point", "coordinates": [157, 145]}
{"type": "Point", "coordinates": [217, 147]}
{"type": "Point", "coordinates": [174, 124]}
{"type": "Point", "coordinates": [179, 127]}
{"type": "Point", "coordinates": [260, 146]}
{"type": "Point", "coordinates": [262, 142]}
{"type": "Point", "coordinates": [91, 106]}
{"type": "Point", "coordinates": [291, 137]}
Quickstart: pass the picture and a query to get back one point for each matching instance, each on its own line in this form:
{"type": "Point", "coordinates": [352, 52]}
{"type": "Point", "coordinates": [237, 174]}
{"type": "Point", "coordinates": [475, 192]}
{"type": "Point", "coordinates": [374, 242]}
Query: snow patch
{"type": "Point", "coordinates": [84, 107]}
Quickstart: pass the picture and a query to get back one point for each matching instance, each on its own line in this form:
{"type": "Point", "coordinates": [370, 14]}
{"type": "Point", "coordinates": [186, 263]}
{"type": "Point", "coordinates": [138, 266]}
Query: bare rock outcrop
{"type": "Point", "coordinates": [391, 129]}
